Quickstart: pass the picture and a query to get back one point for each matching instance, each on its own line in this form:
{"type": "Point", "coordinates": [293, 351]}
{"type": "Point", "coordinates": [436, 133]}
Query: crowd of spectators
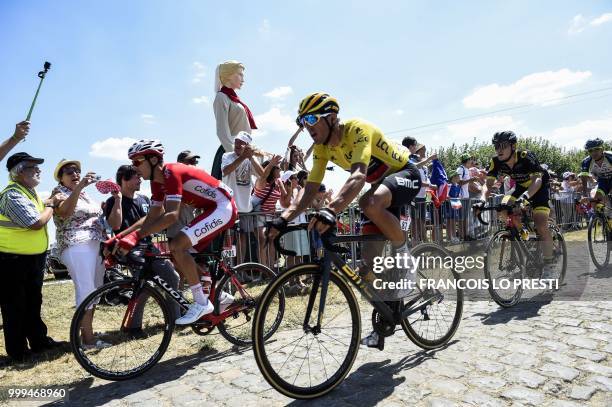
{"type": "Point", "coordinates": [262, 183]}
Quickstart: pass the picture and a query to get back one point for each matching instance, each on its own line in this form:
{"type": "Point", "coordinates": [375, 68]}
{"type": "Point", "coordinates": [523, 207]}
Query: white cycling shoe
{"type": "Point", "coordinates": [195, 312]}
{"type": "Point", "coordinates": [548, 272]}
{"type": "Point", "coordinates": [225, 300]}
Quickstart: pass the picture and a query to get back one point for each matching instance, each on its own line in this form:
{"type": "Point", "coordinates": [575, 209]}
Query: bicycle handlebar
{"type": "Point", "coordinates": [325, 238]}
{"type": "Point", "coordinates": [479, 208]}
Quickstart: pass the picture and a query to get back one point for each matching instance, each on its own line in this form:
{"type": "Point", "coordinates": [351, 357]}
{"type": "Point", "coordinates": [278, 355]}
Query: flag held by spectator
{"type": "Point", "coordinates": [438, 177]}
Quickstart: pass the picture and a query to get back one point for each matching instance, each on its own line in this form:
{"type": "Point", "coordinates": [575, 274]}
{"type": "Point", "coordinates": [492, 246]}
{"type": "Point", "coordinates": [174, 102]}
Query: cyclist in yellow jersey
{"type": "Point", "coordinates": [362, 149]}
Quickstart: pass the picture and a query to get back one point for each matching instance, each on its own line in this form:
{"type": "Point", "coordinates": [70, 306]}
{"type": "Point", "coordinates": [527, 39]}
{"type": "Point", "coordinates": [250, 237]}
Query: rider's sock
{"type": "Point", "coordinates": [198, 294]}
{"type": "Point", "coordinates": [402, 248]}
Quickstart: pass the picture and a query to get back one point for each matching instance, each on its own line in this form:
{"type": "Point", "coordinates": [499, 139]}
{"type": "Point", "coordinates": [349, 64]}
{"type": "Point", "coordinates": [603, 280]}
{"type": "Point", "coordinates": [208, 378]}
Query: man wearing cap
{"type": "Point", "coordinates": [23, 249]}
{"type": "Point", "coordinates": [187, 157]}
{"type": "Point", "coordinates": [238, 167]}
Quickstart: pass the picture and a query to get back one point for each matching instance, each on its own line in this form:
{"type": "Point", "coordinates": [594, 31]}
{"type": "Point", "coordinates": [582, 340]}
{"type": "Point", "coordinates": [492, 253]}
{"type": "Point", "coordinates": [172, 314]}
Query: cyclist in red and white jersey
{"type": "Point", "coordinates": [174, 184]}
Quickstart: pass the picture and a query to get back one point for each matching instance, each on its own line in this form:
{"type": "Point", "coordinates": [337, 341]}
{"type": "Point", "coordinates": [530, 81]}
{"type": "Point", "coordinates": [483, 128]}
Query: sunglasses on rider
{"type": "Point", "coordinates": [137, 161]}
{"type": "Point", "coordinates": [501, 146]}
{"type": "Point", "coordinates": [311, 119]}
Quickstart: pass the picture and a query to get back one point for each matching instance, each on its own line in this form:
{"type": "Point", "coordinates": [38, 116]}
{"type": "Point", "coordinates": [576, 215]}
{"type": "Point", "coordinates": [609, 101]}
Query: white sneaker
{"type": "Point", "coordinates": [99, 344]}
{"type": "Point", "coordinates": [195, 312]}
{"type": "Point", "coordinates": [225, 300]}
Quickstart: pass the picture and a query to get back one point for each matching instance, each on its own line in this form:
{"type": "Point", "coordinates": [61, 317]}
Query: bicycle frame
{"type": "Point", "coordinates": [146, 275]}
{"type": "Point", "coordinates": [332, 256]}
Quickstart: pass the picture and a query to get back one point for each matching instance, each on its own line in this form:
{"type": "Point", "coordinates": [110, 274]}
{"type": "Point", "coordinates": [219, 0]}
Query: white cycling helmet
{"type": "Point", "coordinates": [145, 147]}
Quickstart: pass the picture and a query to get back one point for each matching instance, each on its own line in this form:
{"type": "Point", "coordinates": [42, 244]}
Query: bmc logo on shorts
{"type": "Point", "coordinates": [208, 226]}
{"type": "Point", "coordinates": [405, 182]}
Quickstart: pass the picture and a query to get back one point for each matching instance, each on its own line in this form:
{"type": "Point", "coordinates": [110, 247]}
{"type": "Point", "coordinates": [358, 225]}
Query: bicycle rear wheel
{"type": "Point", "coordinates": [246, 284]}
{"type": "Point", "coordinates": [436, 324]}
{"type": "Point", "coordinates": [300, 361]}
{"type": "Point", "coordinates": [598, 242]}
{"type": "Point", "coordinates": [133, 347]}
{"type": "Point", "coordinates": [503, 264]}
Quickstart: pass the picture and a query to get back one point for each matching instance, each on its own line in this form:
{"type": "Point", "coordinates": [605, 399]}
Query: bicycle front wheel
{"type": "Point", "coordinates": [132, 334]}
{"type": "Point", "coordinates": [301, 359]}
{"type": "Point", "coordinates": [503, 264]}
{"type": "Point", "coordinates": [598, 242]}
{"type": "Point", "coordinates": [435, 324]}
{"type": "Point", "coordinates": [245, 285]}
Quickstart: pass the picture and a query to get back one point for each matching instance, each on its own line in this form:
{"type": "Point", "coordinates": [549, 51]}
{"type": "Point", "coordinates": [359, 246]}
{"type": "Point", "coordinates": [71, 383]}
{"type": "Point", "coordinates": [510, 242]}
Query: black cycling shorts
{"type": "Point", "coordinates": [404, 185]}
{"type": "Point", "coordinates": [539, 201]}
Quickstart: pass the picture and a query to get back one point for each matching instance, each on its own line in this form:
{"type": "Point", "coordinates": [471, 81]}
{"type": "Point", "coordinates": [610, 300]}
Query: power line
{"type": "Point", "coordinates": [433, 128]}
{"type": "Point", "coordinates": [498, 111]}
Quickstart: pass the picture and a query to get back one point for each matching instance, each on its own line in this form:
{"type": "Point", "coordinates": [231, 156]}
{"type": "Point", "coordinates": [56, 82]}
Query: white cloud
{"type": "Point", "coordinates": [200, 72]}
{"type": "Point", "coordinates": [579, 23]}
{"type": "Point", "coordinates": [398, 112]}
{"type": "Point", "coordinates": [201, 100]}
{"type": "Point", "coordinates": [148, 118]}
{"type": "Point", "coordinates": [576, 135]}
{"type": "Point", "coordinates": [113, 148]}
{"type": "Point", "coordinates": [264, 28]}
{"type": "Point", "coordinates": [275, 121]}
{"type": "Point", "coordinates": [536, 88]}
{"type": "Point", "coordinates": [279, 92]}
{"type": "Point", "coordinates": [602, 19]}
{"type": "Point", "coordinates": [482, 129]}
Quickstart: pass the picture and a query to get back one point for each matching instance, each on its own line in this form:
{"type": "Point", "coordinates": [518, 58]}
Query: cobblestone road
{"type": "Point", "coordinates": [557, 354]}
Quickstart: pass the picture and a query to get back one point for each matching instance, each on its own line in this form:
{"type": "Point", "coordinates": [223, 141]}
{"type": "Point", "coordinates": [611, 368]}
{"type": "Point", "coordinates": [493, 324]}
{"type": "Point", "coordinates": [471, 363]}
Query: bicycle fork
{"type": "Point", "coordinates": [321, 280]}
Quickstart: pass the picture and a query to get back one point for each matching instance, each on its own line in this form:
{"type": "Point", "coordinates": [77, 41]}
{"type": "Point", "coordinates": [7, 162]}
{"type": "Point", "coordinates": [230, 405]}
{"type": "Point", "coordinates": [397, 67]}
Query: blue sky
{"type": "Point", "coordinates": [144, 69]}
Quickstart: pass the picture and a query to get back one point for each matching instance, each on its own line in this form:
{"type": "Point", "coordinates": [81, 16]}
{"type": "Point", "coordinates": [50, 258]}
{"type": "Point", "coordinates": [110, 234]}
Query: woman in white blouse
{"type": "Point", "coordinates": [79, 233]}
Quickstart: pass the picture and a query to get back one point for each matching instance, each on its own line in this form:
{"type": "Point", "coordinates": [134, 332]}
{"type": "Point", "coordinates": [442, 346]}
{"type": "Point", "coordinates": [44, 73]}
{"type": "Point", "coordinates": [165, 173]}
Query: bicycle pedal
{"type": "Point", "coordinates": [381, 343]}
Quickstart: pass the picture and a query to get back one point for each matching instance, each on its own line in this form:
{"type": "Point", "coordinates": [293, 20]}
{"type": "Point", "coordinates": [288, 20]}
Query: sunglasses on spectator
{"type": "Point", "coordinates": [590, 150]}
{"type": "Point", "coordinates": [31, 167]}
{"type": "Point", "coordinates": [71, 170]}
{"type": "Point", "coordinates": [312, 119]}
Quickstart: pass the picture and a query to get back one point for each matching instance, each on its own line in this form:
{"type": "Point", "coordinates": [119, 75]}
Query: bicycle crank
{"type": "Point", "coordinates": [382, 327]}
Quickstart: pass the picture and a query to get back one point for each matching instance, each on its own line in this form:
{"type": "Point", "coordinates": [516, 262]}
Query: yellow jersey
{"type": "Point", "coordinates": [361, 142]}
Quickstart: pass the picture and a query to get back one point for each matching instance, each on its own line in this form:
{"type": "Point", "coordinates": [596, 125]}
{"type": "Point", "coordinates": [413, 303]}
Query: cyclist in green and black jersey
{"type": "Point", "coordinates": [532, 184]}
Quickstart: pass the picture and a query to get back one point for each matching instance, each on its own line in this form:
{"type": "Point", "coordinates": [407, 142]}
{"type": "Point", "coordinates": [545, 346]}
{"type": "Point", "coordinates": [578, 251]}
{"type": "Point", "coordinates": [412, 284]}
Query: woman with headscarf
{"type": "Point", "coordinates": [231, 114]}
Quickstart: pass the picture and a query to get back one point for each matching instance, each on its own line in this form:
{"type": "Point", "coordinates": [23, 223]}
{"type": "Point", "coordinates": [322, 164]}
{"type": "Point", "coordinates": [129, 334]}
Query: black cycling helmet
{"type": "Point", "coordinates": [504, 137]}
{"type": "Point", "coordinates": [597, 143]}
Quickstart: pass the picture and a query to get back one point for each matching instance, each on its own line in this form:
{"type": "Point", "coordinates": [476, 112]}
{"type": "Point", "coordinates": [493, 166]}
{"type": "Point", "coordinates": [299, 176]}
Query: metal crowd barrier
{"type": "Point", "coordinates": [422, 222]}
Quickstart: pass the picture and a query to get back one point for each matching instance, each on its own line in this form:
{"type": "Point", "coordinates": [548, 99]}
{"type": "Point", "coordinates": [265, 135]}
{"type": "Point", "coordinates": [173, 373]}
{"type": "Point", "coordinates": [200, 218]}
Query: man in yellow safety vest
{"type": "Point", "coordinates": [23, 249]}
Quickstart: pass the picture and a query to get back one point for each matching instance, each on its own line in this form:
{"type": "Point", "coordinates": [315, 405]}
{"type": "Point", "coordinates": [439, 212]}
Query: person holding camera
{"type": "Point", "coordinates": [80, 230]}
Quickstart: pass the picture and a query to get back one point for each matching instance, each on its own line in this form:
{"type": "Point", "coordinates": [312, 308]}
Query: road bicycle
{"type": "Point", "coordinates": [512, 254]}
{"type": "Point", "coordinates": [317, 341]}
{"type": "Point", "coordinates": [135, 314]}
{"type": "Point", "coordinates": [600, 235]}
